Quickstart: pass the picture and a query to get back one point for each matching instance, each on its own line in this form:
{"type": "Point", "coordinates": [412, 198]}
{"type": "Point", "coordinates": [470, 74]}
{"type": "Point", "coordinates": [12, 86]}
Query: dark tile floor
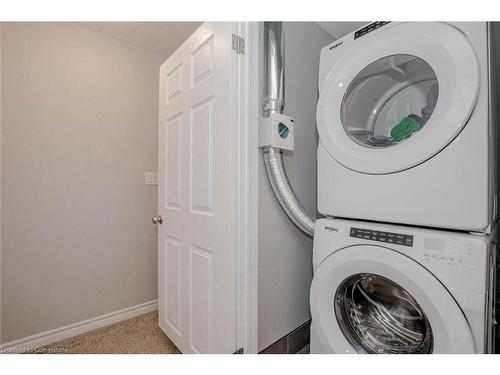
{"type": "Point", "coordinates": [296, 342]}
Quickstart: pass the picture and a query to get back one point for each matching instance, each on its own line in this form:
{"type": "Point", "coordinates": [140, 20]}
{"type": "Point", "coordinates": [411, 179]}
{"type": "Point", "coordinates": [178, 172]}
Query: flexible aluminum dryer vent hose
{"type": "Point", "coordinates": [284, 192]}
{"type": "Point", "coordinates": [274, 103]}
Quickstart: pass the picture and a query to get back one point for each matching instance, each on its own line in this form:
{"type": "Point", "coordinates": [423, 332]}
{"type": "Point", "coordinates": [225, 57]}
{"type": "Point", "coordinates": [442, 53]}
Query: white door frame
{"type": "Point", "coordinates": [243, 141]}
{"type": "Point", "coordinates": [246, 115]}
{"type": "Point", "coordinates": [1, 184]}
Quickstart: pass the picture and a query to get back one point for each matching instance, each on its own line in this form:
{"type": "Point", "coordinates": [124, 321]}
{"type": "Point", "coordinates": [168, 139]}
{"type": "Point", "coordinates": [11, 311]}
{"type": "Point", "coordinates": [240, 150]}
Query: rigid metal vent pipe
{"type": "Point", "coordinates": [274, 102]}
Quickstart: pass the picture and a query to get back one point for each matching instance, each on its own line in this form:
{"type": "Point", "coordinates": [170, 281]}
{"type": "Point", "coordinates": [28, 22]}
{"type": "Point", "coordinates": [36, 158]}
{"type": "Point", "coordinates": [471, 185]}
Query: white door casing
{"type": "Point", "coordinates": [198, 193]}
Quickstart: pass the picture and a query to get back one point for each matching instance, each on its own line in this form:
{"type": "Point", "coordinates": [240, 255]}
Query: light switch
{"type": "Point", "coordinates": [151, 178]}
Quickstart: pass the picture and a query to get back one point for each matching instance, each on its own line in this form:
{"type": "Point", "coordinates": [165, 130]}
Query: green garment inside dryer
{"type": "Point", "coordinates": [406, 127]}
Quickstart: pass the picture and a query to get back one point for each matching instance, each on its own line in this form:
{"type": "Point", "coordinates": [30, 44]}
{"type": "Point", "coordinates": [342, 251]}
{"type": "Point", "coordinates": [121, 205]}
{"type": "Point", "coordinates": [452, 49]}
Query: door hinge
{"type": "Point", "coordinates": [238, 44]}
{"type": "Point", "coordinates": [239, 351]}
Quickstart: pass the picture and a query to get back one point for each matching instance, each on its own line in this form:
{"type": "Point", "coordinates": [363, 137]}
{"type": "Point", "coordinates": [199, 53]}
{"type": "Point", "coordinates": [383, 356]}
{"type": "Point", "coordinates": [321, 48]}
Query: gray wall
{"type": "Point", "coordinates": [495, 91]}
{"type": "Point", "coordinates": [285, 269]}
{"type": "Point", "coordinates": [79, 129]}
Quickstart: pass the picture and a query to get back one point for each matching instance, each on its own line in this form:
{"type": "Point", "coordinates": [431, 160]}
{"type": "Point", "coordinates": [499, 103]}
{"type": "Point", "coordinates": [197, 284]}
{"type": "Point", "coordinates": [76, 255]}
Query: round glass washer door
{"type": "Point", "coordinates": [371, 299]}
{"type": "Point", "coordinates": [397, 97]}
{"type": "Point", "coordinates": [379, 316]}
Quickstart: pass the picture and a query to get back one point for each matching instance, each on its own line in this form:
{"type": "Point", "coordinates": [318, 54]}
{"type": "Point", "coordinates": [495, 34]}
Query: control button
{"type": "Point", "coordinates": [372, 235]}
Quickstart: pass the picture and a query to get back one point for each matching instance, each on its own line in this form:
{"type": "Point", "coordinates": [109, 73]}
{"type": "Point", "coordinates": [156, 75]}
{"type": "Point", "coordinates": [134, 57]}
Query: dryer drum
{"type": "Point", "coordinates": [378, 316]}
{"type": "Point", "coordinates": [390, 90]}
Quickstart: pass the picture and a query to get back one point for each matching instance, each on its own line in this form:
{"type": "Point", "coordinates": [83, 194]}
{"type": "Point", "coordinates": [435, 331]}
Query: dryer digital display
{"type": "Point", "coordinates": [375, 235]}
{"type": "Point", "coordinates": [367, 29]}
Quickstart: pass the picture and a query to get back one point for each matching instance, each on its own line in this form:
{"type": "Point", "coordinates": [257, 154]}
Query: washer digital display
{"type": "Point", "coordinates": [388, 237]}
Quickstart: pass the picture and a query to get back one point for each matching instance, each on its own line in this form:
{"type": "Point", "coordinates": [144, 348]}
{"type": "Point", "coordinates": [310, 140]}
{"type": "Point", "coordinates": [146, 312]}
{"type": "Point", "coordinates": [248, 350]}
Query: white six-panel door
{"type": "Point", "coordinates": [197, 240]}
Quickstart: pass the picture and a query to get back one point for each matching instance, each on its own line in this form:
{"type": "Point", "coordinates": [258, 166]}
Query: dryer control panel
{"type": "Point", "coordinates": [369, 28]}
{"type": "Point", "coordinates": [389, 237]}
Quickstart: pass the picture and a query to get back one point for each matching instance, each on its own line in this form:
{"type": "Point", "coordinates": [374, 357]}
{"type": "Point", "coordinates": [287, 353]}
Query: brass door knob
{"type": "Point", "coordinates": [157, 219]}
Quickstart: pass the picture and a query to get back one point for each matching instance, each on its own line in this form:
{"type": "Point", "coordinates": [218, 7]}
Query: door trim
{"type": "Point", "coordinates": [246, 110]}
{"type": "Point", "coordinates": [242, 165]}
{"type": "Point", "coordinates": [0, 184]}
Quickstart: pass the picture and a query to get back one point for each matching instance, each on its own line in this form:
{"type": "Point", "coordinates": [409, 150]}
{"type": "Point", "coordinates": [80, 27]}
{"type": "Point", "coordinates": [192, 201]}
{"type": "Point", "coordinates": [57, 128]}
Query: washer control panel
{"type": "Point", "coordinates": [388, 237]}
{"type": "Point", "coordinates": [449, 251]}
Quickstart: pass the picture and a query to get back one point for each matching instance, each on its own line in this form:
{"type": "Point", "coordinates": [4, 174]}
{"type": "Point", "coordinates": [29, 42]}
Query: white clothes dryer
{"type": "Point", "coordinates": [407, 125]}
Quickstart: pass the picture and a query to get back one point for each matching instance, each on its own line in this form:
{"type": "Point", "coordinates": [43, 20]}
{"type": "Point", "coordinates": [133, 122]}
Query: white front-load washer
{"type": "Point", "coordinates": [406, 123]}
{"type": "Point", "coordinates": [381, 288]}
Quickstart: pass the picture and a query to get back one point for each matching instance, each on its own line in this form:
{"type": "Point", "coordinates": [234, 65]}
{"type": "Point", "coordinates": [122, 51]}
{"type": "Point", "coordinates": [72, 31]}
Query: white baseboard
{"type": "Point", "coordinates": [54, 335]}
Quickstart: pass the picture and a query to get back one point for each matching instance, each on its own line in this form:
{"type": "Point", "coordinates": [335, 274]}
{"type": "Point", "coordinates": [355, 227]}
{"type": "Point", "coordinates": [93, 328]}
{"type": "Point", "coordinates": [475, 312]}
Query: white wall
{"type": "Point", "coordinates": [285, 269]}
{"type": "Point", "coordinates": [79, 129]}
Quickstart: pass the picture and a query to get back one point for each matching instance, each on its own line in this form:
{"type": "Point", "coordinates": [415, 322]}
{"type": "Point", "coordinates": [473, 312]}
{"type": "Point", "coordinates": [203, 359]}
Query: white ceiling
{"type": "Point", "coordinates": [161, 38]}
{"type": "Point", "coordinates": [339, 29]}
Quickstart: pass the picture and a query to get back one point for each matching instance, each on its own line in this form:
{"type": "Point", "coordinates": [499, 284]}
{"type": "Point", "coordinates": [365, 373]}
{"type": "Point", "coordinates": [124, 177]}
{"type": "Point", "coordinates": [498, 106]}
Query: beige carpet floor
{"type": "Point", "coordinates": [139, 335]}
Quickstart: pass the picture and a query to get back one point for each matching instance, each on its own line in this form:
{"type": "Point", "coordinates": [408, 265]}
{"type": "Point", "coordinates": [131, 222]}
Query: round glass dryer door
{"type": "Point", "coordinates": [397, 97]}
{"type": "Point", "coordinates": [371, 299]}
{"type": "Point", "coordinates": [389, 101]}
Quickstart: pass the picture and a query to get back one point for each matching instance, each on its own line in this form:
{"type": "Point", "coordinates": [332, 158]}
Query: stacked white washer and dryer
{"type": "Point", "coordinates": [404, 261]}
